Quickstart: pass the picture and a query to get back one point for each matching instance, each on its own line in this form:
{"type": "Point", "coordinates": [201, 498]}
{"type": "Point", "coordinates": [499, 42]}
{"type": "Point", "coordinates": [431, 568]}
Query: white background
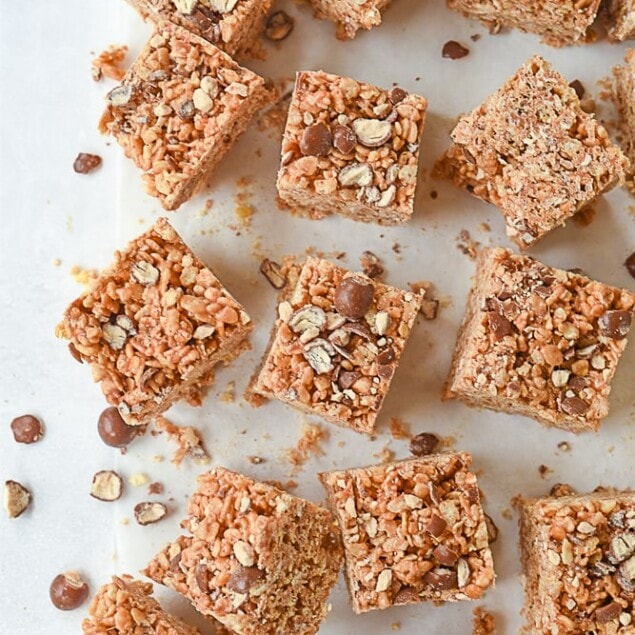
{"type": "Point", "coordinates": [49, 108]}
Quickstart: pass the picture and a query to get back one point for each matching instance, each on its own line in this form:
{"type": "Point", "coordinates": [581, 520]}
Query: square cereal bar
{"type": "Point", "coordinates": [350, 15]}
{"type": "Point", "coordinates": [351, 148]}
{"type": "Point", "coordinates": [126, 607]}
{"type": "Point", "coordinates": [530, 150]}
{"type": "Point", "coordinates": [539, 342]}
{"type": "Point", "coordinates": [153, 325]}
{"type": "Point", "coordinates": [179, 109]}
{"type": "Point", "coordinates": [578, 556]}
{"type": "Point", "coordinates": [412, 530]}
{"type": "Point", "coordinates": [623, 89]}
{"type": "Point", "coordinates": [336, 344]}
{"type": "Point", "coordinates": [232, 25]}
{"type": "Point", "coordinates": [259, 560]}
{"type": "Point", "coordinates": [558, 22]}
{"type": "Point", "coordinates": [621, 19]}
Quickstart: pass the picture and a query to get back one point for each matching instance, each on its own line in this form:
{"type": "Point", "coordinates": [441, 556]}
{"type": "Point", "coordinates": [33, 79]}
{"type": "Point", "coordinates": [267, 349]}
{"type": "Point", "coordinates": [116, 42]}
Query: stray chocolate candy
{"type": "Point", "coordinates": [107, 486]}
{"type": "Point", "coordinates": [272, 271]}
{"type": "Point", "coordinates": [629, 263]}
{"type": "Point", "coordinates": [16, 498]}
{"type": "Point", "coordinates": [397, 94]}
{"type": "Point", "coordinates": [114, 431]}
{"type": "Point", "coordinates": [454, 50]}
{"type": "Point", "coordinates": [615, 324]}
{"type": "Point", "coordinates": [27, 429]}
{"type": "Point", "coordinates": [316, 141]}
{"type": "Point", "coordinates": [68, 591]}
{"type": "Point", "coordinates": [429, 309]}
{"type": "Point", "coordinates": [279, 26]}
{"type": "Point", "coordinates": [353, 297]}
{"type": "Point", "coordinates": [423, 444]}
{"type": "Point", "coordinates": [147, 513]}
{"type": "Point", "coordinates": [344, 139]}
{"type": "Point", "coordinates": [86, 163]}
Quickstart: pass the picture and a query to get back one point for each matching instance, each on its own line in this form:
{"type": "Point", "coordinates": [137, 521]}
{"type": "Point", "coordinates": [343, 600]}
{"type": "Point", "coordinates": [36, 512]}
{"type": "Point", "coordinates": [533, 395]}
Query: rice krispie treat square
{"type": "Point", "coordinates": [232, 25]}
{"type": "Point", "coordinates": [534, 153]}
{"type": "Point", "coordinates": [621, 19]}
{"type": "Point", "coordinates": [412, 530]}
{"type": "Point", "coordinates": [350, 15]}
{"type": "Point", "coordinates": [351, 148]}
{"type": "Point", "coordinates": [153, 326]}
{"type": "Point", "coordinates": [336, 344]}
{"type": "Point", "coordinates": [179, 109]}
{"type": "Point", "coordinates": [260, 561]}
{"type": "Point", "coordinates": [623, 89]}
{"type": "Point", "coordinates": [539, 342]}
{"type": "Point", "coordinates": [578, 555]}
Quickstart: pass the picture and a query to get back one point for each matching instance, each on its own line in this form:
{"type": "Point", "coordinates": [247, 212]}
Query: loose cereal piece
{"type": "Point", "coordinates": [621, 19]}
{"type": "Point", "coordinates": [232, 25]}
{"type": "Point", "coordinates": [540, 342]}
{"type": "Point", "coordinates": [188, 440]}
{"type": "Point", "coordinates": [623, 89]}
{"type": "Point", "coordinates": [336, 344]}
{"type": "Point", "coordinates": [558, 22]}
{"type": "Point", "coordinates": [126, 607]}
{"type": "Point", "coordinates": [412, 530]}
{"type": "Point", "coordinates": [179, 109]}
{"type": "Point", "coordinates": [108, 63]}
{"type": "Point", "coordinates": [530, 150]}
{"type": "Point", "coordinates": [259, 560]}
{"type": "Point", "coordinates": [578, 555]}
{"type": "Point", "coordinates": [351, 148]}
{"type": "Point", "coordinates": [350, 15]}
{"type": "Point", "coordinates": [154, 325]}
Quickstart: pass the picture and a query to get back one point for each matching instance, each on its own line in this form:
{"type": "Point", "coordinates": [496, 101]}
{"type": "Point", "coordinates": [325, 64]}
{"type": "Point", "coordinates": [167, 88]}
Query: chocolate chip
{"type": "Point", "coordinates": [316, 141]}
{"type": "Point", "coordinates": [243, 578]}
{"type": "Point", "coordinates": [27, 429]}
{"type": "Point", "coordinates": [386, 356]}
{"type": "Point", "coordinates": [406, 595]}
{"type": "Point", "coordinates": [113, 430]}
{"type": "Point", "coordinates": [202, 577]}
{"type": "Point", "coordinates": [441, 579]}
{"type": "Point", "coordinates": [347, 378]}
{"type": "Point", "coordinates": [75, 353]}
{"type": "Point", "coordinates": [353, 297]}
{"type": "Point", "coordinates": [272, 271]}
{"type": "Point", "coordinates": [279, 26]}
{"type": "Point", "coordinates": [397, 94]}
{"type": "Point", "coordinates": [86, 163]}
{"type": "Point", "coordinates": [629, 263]}
{"type": "Point", "coordinates": [499, 325]}
{"type": "Point", "coordinates": [436, 526]}
{"type": "Point", "coordinates": [574, 406]}
{"type": "Point", "coordinates": [424, 443]}
{"type": "Point", "coordinates": [445, 556]}
{"type": "Point", "coordinates": [68, 591]}
{"type": "Point", "coordinates": [454, 51]}
{"type": "Point", "coordinates": [576, 84]}
{"type": "Point", "coordinates": [344, 139]}
{"type": "Point", "coordinates": [615, 324]}
{"type": "Point", "coordinates": [607, 613]}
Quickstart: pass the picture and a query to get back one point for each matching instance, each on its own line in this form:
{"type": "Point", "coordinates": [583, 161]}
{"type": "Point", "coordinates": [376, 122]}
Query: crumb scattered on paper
{"type": "Point", "coordinates": [467, 245]}
{"type": "Point", "coordinates": [109, 63]}
{"type": "Point", "coordinates": [83, 276]}
{"type": "Point", "coordinates": [188, 440]}
{"type": "Point", "coordinates": [313, 434]}
{"type": "Point", "coordinates": [399, 428]}
{"type": "Point", "coordinates": [483, 622]}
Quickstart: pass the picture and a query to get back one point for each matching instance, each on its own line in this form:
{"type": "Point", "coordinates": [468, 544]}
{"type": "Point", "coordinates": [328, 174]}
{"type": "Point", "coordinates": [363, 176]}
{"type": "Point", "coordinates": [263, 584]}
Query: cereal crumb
{"type": "Point", "coordinates": [399, 428]}
{"type": "Point", "coordinates": [255, 460]}
{"type": "Point", "coordinates": [313, 434]}
{"type": "Point", "coordinates": [371, 265]}
{"type": "Point", "coordinates": [124, 521]}
{"type": "Point", "coordinates": [108, 63]}
{"type": "Point", "coordinates": [385, 455]}
{"type": "Point", "coordinates": [157, 458]}
{"type": "Point", "coordinates": [395, 626]}
{"type": "Point", "coordinates": [229, 394]}
{"type": "Point", "coordinates": [506, 513]}
{"type": "Point", "coordinates": [139, 479]}
{"type": "Point", "coordinates": [467, 245]}
{"type": "Point", "coordinates": [483, 622]}
{"type": "Point", "coordinates": [484, 227]}
{"type": "Point", "coordinates": [188, 440]}
{"type": "Point", "coordinates": [544, 471]}
{"type": "Point", "coordinates": [564, 446]}
{"type": "Point", "coordinates": [56, 262]}
{"type": "Point", "coordinates": [83, 276]}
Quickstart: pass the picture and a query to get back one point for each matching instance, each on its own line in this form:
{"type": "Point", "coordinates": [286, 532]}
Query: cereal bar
{"type": "Point", "coordinates": [530, 150]}
{"type": "Point", "coordinates": [350, 15]}
{"type": "Point", "coordinates": [126, 607]}
{"type": "Point", "coordinates": [578, 556]}
{"type": "Point", "coordinates": [558, 22]}
{"type": "Point", "coordinates": [621, 19]}
{"type": "Point", "coordinates": [336, 344]}
{"type": "Point", "coordinates": [258, 560]}
{"type": "Point", "coordinates": [539, 342]}
{"type": "Point", "coordinates": [412, 530]}
{"type": "Point", "coordinates": [180, 107]}
{"type": "Point", "coordinates": [351, 148]}
{"type": "Point", "coordinates": [153, 325]}
{"type": "Point", "coordinates": [623, 89]}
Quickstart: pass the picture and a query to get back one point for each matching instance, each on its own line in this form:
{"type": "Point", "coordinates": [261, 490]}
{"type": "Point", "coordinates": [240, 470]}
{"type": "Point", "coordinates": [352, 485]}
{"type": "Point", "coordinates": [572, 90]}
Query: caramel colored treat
{"type": "Point", "coordinates": [153, 325]}
{"type": "Point", "coordinates": [126, 607]}
{"type": "Point", "coordinates": [179, 109]}
{"type": "Point", "coordinates": [260, 561]}
{"type": "Point", "coordinates": [539, 342]}
{"type": "Point", "coordinates": [578, 555]}
{"type": "Point", "coordinates": [336, 344]}
{"type": "Point", "coordinates": [530, 150]}
{"type": "Point", "coordinates": [351, 148]}
{"type": "Point", "coordinates": [558, 22]}
{"type": "Point", "coordinates": [114, 431]}
{"type": "Point", "coordinates": [623, 92]}
{"type": "Point", "coordinates": [232, 25]}
{"type": "Point", "coordinates": [412, 530]}
{"type": "Point", "coordinates": [350, 15]}
{"type": "Point", "coordinates": [621, 19]}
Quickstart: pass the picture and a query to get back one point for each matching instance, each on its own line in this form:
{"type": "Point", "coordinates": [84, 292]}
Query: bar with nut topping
{"type": "Point", "coordinates": [351, 148]}
{"type": "Point", "coordinates": [179, 109]}
{"type": "Point", "coordinates": [533, 152]}
{"type": "Point", "coordinates": [620, 16]}
{"type": "Point", "coordinates": [412, 530]}
{"type": "Point", "coordinates": [350, 15]}
{"type": "Point", "coordinates": [260, 561]}
{"type": "Point", "coordinates": [578, 556]}
{"type": "Point", "coordinates": [539, 342]}
{"type": "Point", "coordinates": [336, 344]}
{"type": "Point", "coordinates": [153, 326]}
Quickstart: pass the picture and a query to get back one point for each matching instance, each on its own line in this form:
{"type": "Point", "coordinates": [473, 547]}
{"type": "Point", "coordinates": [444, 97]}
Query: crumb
{"type": "Point", "coordinates": [188, 440]}
{"type": "Point", "coordinates": [506, 513]}
{"type": "Point", "coordinates": [561, 489]}
{"type": "Point", "coordinates": [371, 265]}
{"type": "Point", "coordinates": [466, 245]}
{"type": "Point", "coordinates": [447, 443]}
{"type": "Point", "coordinates": [255, 460]}
{"type": "Point", "coordinates": [483, 622]}
{"type": "Point", "coordinates": [484, 227]}
{"type": "Point", "coordinates": [429, 305]}
{"type": "Point", "coordinates": [564, 446]}
{"type": "Point", "coordinates": [385, 455]}
{"type": "Point", "coordinates": [244, 210]}
{"type": "Point", "coordinates": [434, 195]}
{"type": "Point", "coordinates": [157, 458]}
{"type": "Point", "coordinates": [56, 262]}
{"type": "Point", "coordinates": [341, 444]}
{"type": "Point", "coordinates": [124, 521]}
{"type": "Point", "coordinates": [544, 471]}
{"type": "Point", "coordinates": [229, 394]}
{"type": "Point", "coordinates": [396, 247]}
{"type": "Point", "coordinates": [395, 626]}
{"type": "Point", "coordinates": [202, 213]}
{"type": "Point", "coordinates": [290, 484]}
{"type": "Point", "coordinates": [313, 434]}
{"type": "Point", "coordinates": [399, 429]}
{"type": "Point", "coordinates": [108, 63]}
{"type": "Point", "coordinates": [155, 488]}
{"type": "Point", "coordinates": [475, 37]}
{"type": "Point", "coordinates": [83, 276]}
{"type": "Point", "coordinates": [585, 216]}
{"type": "Point", "coordinates": [253, 399]}
{"type": "Point", "coordinates": [139, 479]}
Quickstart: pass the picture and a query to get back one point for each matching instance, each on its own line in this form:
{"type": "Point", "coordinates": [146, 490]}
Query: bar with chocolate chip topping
{"type": "Point", "coordinates": [413, 530]}
{"type": "Point", "coordinates": [350, 15]}
{"type": "Point", "coordinates": [153, 326]}
{"type": "Point", "coordinates": [336, 344]}
{"type": "Point", "coordinates": [558, 22]}
{"type": "Point", "coordinates": [539, 342]}
{"type": "Point", "coordinates": [259, 560]}
{"type": "Point", "coordinates": [179, 109]}
{"type": "Point", "coordinates": [621, 19]}
{"type": "Point", "coordinates": [533, 152]}
{"type": "Point", "coordinates": [126, 607]}
{"type": "Point", "coordinates": [578, 556]}
{"type": "Point", "coordinates": [232, 25]}
{"type": "Point", "coordinates": [351, 148]}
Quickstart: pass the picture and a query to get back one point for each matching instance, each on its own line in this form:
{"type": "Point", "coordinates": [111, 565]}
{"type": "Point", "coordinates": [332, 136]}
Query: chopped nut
{"type": "Point", "coordinates": [244, 553]}
{"type": "Point", "coordinates": [372, 132]}
{"type": "Point", "coordinates": [308, 317]}
{"type": "Point", "coordinates": [114, 336]}
{"type": "Point", "coordinates": [16, 498]}
{"type": "Point", "coordinates": [463, 573]}
{"type": "Point", "coordinates": [145, 273]}
{"type": "Point", "coordinates": [147, 513]}
{"type": "Point", "coordinates": [383, 581]}
{"type": "Point", "coordinates": [107, 486]}
{"type": "Point", "coordinates": [120, 95]}
{"type": "Point", "coordinates": [222, 6]}
{"type": "Point", "coordinates": [356, 174]}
